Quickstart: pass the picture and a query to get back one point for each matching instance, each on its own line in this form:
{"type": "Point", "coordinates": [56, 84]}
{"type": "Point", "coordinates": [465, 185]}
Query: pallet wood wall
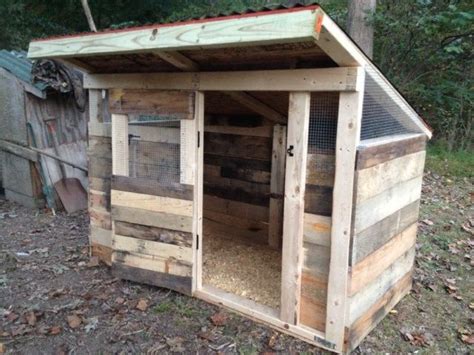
{"type": "Point", "coordinates": [237, 171]}
{"type": "Point", "coordinates": [387, 194]}
{"type": "Point", "coordinates": [320, 172]}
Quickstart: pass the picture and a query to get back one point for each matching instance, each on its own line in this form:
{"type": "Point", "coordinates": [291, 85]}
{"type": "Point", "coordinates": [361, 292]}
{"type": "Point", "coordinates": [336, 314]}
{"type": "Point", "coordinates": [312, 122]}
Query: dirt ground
{"type": "Point", "coordinates": [54, 301]}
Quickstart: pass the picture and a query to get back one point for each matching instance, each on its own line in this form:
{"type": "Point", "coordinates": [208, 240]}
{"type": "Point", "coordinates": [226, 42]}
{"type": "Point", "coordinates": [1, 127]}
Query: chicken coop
{"type": "Point", "coordinates": [258, 161]}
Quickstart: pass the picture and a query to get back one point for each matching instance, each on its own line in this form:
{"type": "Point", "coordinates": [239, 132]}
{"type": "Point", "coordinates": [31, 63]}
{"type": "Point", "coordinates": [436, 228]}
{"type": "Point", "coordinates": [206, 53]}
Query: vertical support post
{"type": "Point", "coordinates": [120, 153]}
{"type": "Point", "coordinates": [348, 136]}
{"type": "Point", "coordinates": [188, 144]}
{"type": "Point", "coordinates": [277, 187]}
{"type": "Point", "coordinates": [295, 181]}
{"type": "Point", "coordinates": [198, 190]}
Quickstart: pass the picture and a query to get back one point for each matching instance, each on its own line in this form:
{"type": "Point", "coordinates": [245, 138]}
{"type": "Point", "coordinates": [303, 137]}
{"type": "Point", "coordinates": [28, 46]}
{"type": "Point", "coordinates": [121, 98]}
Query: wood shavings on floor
{"type": "Point", "coordinates": [247, 270]}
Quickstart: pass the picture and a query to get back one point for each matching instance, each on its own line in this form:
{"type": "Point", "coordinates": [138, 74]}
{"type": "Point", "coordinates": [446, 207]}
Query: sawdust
{"type": "Point", "coordinates": [249, 270]}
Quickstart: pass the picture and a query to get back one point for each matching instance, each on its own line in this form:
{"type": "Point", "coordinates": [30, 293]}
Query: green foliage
{"type": "Point", "coordinates": [458, 163]}
{"type": "Point", "coordinates": [425, 47]}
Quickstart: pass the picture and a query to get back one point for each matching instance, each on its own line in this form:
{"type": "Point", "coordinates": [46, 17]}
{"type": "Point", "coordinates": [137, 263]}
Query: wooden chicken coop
{"type": "Point", "coordinates": [257, 161]}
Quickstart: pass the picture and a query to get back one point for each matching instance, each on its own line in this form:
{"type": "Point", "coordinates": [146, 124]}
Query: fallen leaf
{"type": "Point", "coordinates": [451, 289]}
{"type": "Point", "coordinates": [142, 305]}
{"type": "Point", "coordinates": [19, 330]}
{"type": "Point", "coordinates": [31, 318]}
{"type": "Point", "coordinates": [468, 339]}
{"type": "Point", "coordinates": [12, 316]}
{"type": "Point", "coordinates": [393, 311]}
{"type": "Point", "coordinates": [3, 349]}
{"type": "Point", "coordinates": [428, 222]}
{"type": "Point", "coordinates": [471, 305]}
{"type": "Point", "coordinates": [219, 319]}
{"type": "Point", "coordinates": [73, 321]}
{"type": "Point", "coordinates": [273, 340]}
{"type": "Point", "coordinates": [55, 330]}
{"type": "Point", "coordinates": [119, 300]}
{"type": "Point", "coordinates": [176, 344]}
{"type": "Point", "coordinates": [92, 324]}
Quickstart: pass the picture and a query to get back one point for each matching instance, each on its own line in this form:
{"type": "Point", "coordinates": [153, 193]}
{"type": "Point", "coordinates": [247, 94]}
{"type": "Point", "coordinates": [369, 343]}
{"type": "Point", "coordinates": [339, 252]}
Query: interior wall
{"type": "Point", "coordinates": [237, 169]}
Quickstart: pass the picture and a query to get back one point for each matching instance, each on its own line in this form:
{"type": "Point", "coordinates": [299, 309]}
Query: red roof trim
{"type": "Point", "coordinates": [205, 20]}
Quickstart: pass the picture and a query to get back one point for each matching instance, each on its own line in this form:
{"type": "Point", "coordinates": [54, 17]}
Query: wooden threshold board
{"type": "Point", "coordinates": [260, 313]}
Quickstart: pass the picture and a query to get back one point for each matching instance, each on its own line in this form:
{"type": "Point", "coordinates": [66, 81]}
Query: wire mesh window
{"type": "Point", "coordinates": [154, 149]}
{"type": "Point", "coordinates": [323, 123]}
{"type": "Point", "coordinates": [381, 113]}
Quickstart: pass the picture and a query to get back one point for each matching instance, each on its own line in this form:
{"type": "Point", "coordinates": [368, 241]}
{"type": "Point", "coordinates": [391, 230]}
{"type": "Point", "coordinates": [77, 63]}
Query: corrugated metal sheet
{"type": "Point", "coordinates": [20, 66]}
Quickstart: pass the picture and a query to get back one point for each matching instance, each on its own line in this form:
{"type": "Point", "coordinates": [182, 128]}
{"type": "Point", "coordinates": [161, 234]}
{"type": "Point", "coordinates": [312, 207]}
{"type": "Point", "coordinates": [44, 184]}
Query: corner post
{"type": "Point", "coordinates": [348, 136]}
{"type": "Point", "coordinates": [120, 152]}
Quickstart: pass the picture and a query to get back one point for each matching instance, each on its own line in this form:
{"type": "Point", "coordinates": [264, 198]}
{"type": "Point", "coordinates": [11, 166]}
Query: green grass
{"type": "Point", "coordinates": [453, 164]}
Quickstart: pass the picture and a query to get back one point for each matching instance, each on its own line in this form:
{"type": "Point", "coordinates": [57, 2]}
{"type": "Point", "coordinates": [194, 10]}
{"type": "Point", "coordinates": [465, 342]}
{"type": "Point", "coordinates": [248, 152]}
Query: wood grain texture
{"type": "Point", "coordinates": [245, 147]}
{"type": "Point", "coordinates": [317, 229]}
{"type": "Point", "coordinates": [237, 163]}
{"type": "Point", "coordinates": [173, 282]}
{"type": "Point", "coordinates": [100, 236]}
{"type": "Point", "coordinates": [321, 170]}
{"type": "Point", "coordinates": [235, 208]}
{"type": "Point", "coordinates": [152, 203]}
{"type": "Point", "coordinates": [153, 219]}
{"type": "Point", "coordinates": [152, 248]}
{"type": "Point", "coordinates": [369, 320]}
{"type": "Point", "coordinates": [100, 218]}
{"type": "Point", "coordinates": [162, 235]}
{"type": "Point", "coordinates": [295, 181]}
{"type": "Point", "coordinates": [380, 151]}
{"type": "Point", "coordinates": [318, 200]}
{"type": "Point", "coordinates": [187, 151]}
{"type": "Point", "coordinates": [313, 301]}
{"type": "Point", "coordinates": [386, 203]}
{"type": "Point", "coordinates": [152, 187]}
{"type": "Point", "coordinates": [374, 180]}
{"type": "Point", "coordinates": [263, 131]}
{"type": "Point", "coordinates": [257, 106]}
{"type": "Point", "coordinates": [361, 302]}
{"type": "Point", "coordinates": [277, 187]}
{"type": "Point", "coordinates": [272, 28]}
{"type": "Point", "coordinates": [328, 79]}
{"type": "Point", "coordinates": [348, 132]}
{"type": "Point", "coordinates": [120, 152]}
{"type": "Point", "coordinates": [372, 238]}
{"type": "Point", "coordinates": [103, 252]}
{"type": "Point", "coordinates": [369, 268]}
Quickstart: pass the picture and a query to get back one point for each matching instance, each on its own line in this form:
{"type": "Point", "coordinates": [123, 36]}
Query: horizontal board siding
{"type": "Point", "coordinates": [100, 167]}
{"type": "Point", "coordinates": [386, 203]}
{"type": "Point", "coordinates": [152, 187]}
{"type": "Point", "coordinates": [374, 180]}
{"type": "Point", "coordinates": [169, 104]}
{"type": "Point", "coordinates": [229, 145]}
{"type": "Point", "coordinates": [363, 300]}
{"type": "Point", "coordinates": [99, 184]}
{"type": "Point", "coordinates": [154, 233]}
{"type": "Point", "coordinates": [236, 163]}
{"type": "Point", "coordinates": [235, 208]}
{"type": "Point", "coordinates": [173, 282]}
{"type": "Point", "coordinates": [313, 301]}
{"type": "Point", "coordinates": [237, 222]}
{"type": "Point", "coordinates": [101, 236]}
{"type": "Point", "coordinates": [263, 131]}
{"type": "Point", "coordinates": [152, 203]}
{"type": "Point", "coordinates": [317, 229]}
{"type": "Point", "coordinates": [152, 248]}
{"type": "Point", "coordinates": [374, 264]}
{"type": "Point", "coordinates": [372, 238]}
{"type": "Point", "coordinates": [320, 169]}
{"type": "Point", "coordinates": [369, 320]}
{"type": "Point", "coordinates": [368, 156]}
{"type": "Point", "coordinates": [100, 218]}
{"type": "Point", "coordinates": [318, 200]}
{"type": "Point", "coordinates": [170, 135]}
{"type": "Point", "coordinates": [153, 219]}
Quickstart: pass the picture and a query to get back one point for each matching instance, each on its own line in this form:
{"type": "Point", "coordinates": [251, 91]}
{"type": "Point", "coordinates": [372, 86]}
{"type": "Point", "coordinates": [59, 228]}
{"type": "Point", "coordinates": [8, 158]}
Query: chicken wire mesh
{"type": "Point", "coordinates": [382, 114]}
{"type": "Point", "coordinates": [156, 159]}
{"type": "Point", "coordinates": [324, 109]}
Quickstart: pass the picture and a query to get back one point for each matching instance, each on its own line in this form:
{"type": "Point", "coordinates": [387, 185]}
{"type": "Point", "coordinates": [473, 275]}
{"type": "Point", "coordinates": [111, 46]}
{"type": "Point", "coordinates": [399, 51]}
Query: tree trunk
{"type": "Point", "coordinates": [359, 25]}
{"type": "Point", "coordinates": [87, 12]}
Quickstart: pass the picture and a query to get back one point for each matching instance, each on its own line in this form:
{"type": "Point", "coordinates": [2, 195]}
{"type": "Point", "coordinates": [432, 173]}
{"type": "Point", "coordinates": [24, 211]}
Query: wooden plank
{"type": "Point", "coordinates": [100, 218]}
{"type": "Point", "coordinates": [152, 187]}
{"type": "Point", "coordinates": [317, 229]}
{"type": "Point", "coordinates": [152, 263]}
{"type": "Point", "coordinates": [361, 302]}
{"type": "Point", "coordinates": [173, 282]}
{"type": "Point", "coordinates": [213, 227]}
{"type": "Point", "coordinates": [100, 184]}
{"type": "Point", "coordinates": [263, 131]}
{"type": "Point", "coordinates": [198, 155]}
{"type": "Point", "coordinates": [237, 194]}
{"type": "Point", "coordinates": [328, 79]}
{"type": "Point", "coordinates": [376, 151]}
{"type": "Point", "coordinates": [99, 147]}
{"type": "Point", "coordinates": [152, 203]}
{"type": "Point", "coordinates": [257, 106]}
{"type": "Point", "coordinates": [178, 60]}
{"type": "Point", "coordinates": [103, 129]}
{"type": "Point", "coordinates": [313, 301]}
{"type": "Point", "coordinates": [321, 170]}
{"type": "Point", "coordinates": [18, 150]}
{"type": "Point", "coordinates": [244, 147]}
{"type": "Point", "coordinates": [120, 145]}
{"type": "Point", "coordinates": [188, 146]}
{"type": "Point", "coordinates": [386, 203]}
{"type": "Point", "coordinates": [153, 219]}
{"type": "Point", "coordinates": [374, 237]}
{"type": "Point", "coordinates": [348, 133]}
{"type": "Point", "coordinates": [236, 162]}
{"type": "Point", "coordinates": [148, 247]}
{"type": "Point", "coordinates": [167, 104]}
{"type": "Point", "coordinates": [235, 208]}
{"type": "Point", "coordinates": [102, 252]}
{"type": "Point", "coordinates": [316, 259]}
{"type": "Point", "coordinates": [100, 236]}
{"type": "Point", "coordinates": [258, 189]}
{"type": "Point", "coordinates": [156, 234]}
{"type": "Point", "coordinates": [369, 268]}
{"type": "Point", "coordinates": [374, 180]}
{"type": "Point", "coordinates": [259, 227]}
{"type": "Point", "coordinates": [292, 260]}
{"type": "Point", "coordinates": [277, 187]}
{"type": "Point", "coordinates": [318, 200]}
{"type": "Point", "coordinates": [369, 320]}
{"type": "Point", "coordinates": [243, 174]}
{"type": "Point", "coordinates": [251, 29]}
